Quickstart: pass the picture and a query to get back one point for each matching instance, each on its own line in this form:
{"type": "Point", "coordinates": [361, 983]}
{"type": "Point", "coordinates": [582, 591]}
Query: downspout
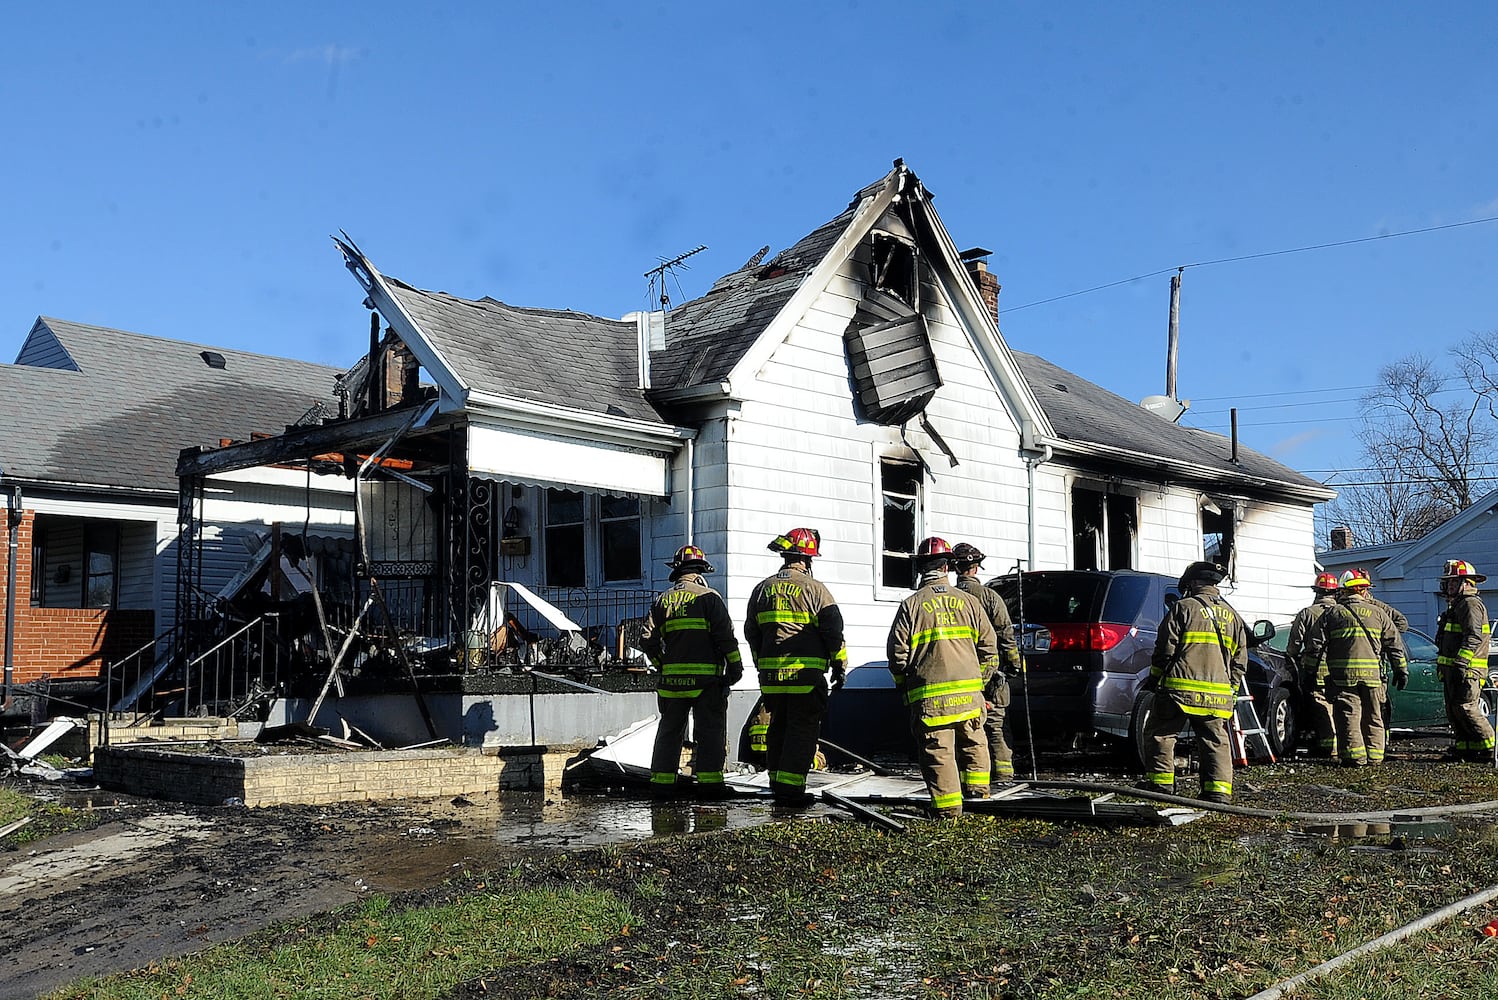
{"type": "Point", "coordinates": [13, 521]}
{"type": "Point", "coordinates": [1031, 461]}
{"type": "Point", "coordinates": [688, 489]}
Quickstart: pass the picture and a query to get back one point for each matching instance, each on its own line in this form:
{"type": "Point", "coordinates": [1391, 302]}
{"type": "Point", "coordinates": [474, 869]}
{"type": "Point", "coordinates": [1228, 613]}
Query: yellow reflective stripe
{"type": "Point", "coordinates": [787, 617]}
{"type": "Point", "coordinates": [733, 656]}
{"type": "Point", "coordinates": [1225, 787]}
{"type": "Point", "coordinates": [788, 778]}
{"type": "Point", "coordinates": [686, 693]}
{"type": "Point", "coordinates": [931, 722]}
{"type": "Point", "coordinates": [792, 663]}
{"type": "Point", "coordinates": [1210, 639]}
{"type": "Point", "coordinates": [942, 632]}
{"type": "Point", "coordinates": [690, 668]}
{"type": "Point", "coordinates": [965, 686]}
{"type": "Point", "coordinates": [947, 801]}
{"type": "Point", "coordinates": [1197, 686]}
{"type": "Point", "coordinates": [662, 778]}
{"type": "Point", "coordinates": [684, 625]}
{"type": "Point", "coordinates": [1465, 654]}
{"type": "Point", "coordinates": [785, 688]}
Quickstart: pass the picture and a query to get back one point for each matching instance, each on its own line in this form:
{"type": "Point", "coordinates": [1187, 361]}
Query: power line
{"type": "Point", "coordinates": [1252, 256]}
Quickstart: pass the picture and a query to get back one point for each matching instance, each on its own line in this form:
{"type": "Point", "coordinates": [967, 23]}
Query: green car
{"type": "Point", "coordinates": [1421, 705]}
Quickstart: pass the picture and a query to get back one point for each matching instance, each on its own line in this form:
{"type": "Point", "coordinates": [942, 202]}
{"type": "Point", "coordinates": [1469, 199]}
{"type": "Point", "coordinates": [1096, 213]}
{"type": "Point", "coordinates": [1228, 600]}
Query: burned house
{"type": "Point", "coordinates": [522, 475]}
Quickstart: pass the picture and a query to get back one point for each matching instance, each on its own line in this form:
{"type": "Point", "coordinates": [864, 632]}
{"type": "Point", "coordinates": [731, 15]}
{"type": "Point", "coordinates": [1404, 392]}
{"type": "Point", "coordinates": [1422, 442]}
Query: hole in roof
{"type": "Point", "coordinates": [1060, 385]}
{"type": "Point", "coordinates": [213, 359]}
{"type": "Point", "coordinates": [614, 411]}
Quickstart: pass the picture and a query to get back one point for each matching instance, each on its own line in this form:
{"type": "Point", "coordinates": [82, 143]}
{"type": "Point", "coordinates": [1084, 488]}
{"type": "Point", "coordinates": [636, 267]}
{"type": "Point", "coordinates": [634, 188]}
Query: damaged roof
{"type": "Point", "coordinates": [1112, 427]}
{"type": "Point", "coordinates": [95, 406]}
{"type": "Point", "coordinates": [554, 356]}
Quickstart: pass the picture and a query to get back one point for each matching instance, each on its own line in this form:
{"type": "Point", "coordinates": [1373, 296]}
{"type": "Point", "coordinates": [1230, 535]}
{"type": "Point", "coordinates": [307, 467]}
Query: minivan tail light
{"type": "Point", "coordinates": [1086, 637]}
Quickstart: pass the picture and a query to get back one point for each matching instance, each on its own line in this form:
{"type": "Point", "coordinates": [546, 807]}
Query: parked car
{"type": "Point", "coordinates": [1087, 637]}
{"type": "Point", "coordinates": [1421, 705]}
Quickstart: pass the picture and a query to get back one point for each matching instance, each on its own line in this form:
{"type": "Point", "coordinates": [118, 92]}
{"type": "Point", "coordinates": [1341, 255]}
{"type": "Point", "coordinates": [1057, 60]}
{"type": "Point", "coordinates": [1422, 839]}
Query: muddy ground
{"type": "Point", "coordinates": [156, 879]}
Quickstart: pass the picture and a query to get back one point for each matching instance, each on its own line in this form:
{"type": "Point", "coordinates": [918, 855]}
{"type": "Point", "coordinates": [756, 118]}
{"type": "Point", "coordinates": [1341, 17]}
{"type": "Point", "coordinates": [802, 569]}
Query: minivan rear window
{"type": "Point", "coordinates": [1128, 602]}
{"type": "Point", "coordinates": [1052, 598]}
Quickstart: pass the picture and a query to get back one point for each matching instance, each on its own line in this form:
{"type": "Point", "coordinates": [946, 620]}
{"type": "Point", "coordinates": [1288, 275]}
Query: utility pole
{"type": "Point", "coordinates": [1173, 336]}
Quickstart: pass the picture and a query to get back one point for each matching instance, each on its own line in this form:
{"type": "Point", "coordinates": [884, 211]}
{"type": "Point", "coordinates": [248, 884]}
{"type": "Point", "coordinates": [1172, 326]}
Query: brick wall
{"type": "Point", "coordinates": [64, 643]}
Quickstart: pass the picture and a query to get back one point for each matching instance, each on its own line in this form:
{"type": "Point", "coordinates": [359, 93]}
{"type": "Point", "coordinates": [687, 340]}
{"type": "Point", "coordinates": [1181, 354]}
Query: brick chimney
{"type": "Point", "coordinates": [976, 261]}
{"type": "Point", "coordinates": [1341, 538]}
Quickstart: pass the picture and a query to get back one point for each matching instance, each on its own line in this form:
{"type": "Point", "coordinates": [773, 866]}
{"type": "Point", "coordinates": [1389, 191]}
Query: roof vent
{"type": "Point", "coordinates": [213, 359]}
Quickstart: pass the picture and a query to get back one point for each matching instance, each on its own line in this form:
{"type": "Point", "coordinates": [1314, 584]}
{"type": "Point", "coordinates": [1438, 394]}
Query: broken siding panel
{"type": "Point", "coordinates": [137, 568]}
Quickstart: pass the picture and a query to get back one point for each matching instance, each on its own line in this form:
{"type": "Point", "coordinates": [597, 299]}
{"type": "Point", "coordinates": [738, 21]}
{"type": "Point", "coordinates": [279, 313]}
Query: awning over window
{"type": "Point", "coordinates": [540, 459]}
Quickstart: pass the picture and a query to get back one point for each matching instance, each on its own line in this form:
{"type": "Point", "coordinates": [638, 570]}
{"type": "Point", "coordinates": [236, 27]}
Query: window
{"type": "Point", "coordinates": [1217, 532]}
{"type": "Point", "coordinates": [101, 555]}
{"type": "Point", "coordinates": [1103, 527]}
{"type": "Point", "coordinates": [592, 540]}
{"type": "Point", "coordinates": [38, 564]}
{"type": "Point", "coordinates": [566, 564]}
{"type": "Point", "coordinates": [900, 520]}
{"type": "Point", "coordinates": [619, 538]}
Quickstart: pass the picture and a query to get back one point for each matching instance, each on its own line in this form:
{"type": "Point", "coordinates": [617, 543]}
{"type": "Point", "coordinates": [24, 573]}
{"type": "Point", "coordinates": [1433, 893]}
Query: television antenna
{"type": "Point", "coordinates": [659, 272]}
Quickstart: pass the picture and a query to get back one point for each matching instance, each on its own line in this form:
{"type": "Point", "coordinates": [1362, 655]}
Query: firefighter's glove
{"type": "Point", "coordinates": [1401, 678]}
{"type": "Point", "coordinates": [734, 674]}
{"type": "Point", "coordinates": [839, 675]}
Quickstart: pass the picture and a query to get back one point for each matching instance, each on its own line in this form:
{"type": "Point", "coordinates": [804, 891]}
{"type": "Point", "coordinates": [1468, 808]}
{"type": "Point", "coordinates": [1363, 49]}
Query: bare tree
{"type": "Point", "coordinates": [1426, 442]}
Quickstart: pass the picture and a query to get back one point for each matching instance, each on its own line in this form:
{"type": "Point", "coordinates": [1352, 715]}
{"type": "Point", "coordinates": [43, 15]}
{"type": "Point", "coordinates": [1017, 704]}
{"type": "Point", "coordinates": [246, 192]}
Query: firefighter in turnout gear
{"type": "Point", "coordinates": [1462, 634]}
{"type": "Point", "coordinates": [688, 636]}
{"type": "Point", "coordinates": [942, 652]}
{"type": "Point", "coordinates": [795, 634]}
{"type": "Point", "coordinates": [1326, 587]}
{"type": "Point", "coordinates": [967, 560]}
{"type": "Point", "coordinates": [1197, 670]}
{"type": "Point", "coordinates": [1357, 639]}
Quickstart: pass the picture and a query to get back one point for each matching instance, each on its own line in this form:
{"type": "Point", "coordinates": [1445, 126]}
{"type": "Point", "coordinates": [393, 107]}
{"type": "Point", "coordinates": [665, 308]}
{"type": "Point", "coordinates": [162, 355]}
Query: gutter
{"type": "Point", "coordinates": [1317, 493]}
{"type": "Point", "coordinates": [628, 431]}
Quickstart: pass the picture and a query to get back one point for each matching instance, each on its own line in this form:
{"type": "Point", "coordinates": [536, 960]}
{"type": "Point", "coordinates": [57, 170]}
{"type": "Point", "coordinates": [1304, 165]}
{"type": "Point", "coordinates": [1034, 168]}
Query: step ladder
{"type": "Point", "coordinates": [1243, 727]}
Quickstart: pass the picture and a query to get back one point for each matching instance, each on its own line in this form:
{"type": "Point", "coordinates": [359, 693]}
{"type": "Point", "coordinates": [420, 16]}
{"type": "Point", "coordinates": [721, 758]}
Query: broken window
{"type": "Point", "coordinates": [38, 564]}
{"type": "Point", "coordinates": [1104, 529]}
{"type": "Point", "coordinates": [900, 521]}
{"type": "Point", "coordinates": [1218, 542]}
{"type": "Point", "coordinates": [892, 268]}
{"type": "Point", "coordinates": [101, 556]}
{"type": "Point", "coordinates": [566, 565]}
{"type": "Point", "coordinates": [889, 348]}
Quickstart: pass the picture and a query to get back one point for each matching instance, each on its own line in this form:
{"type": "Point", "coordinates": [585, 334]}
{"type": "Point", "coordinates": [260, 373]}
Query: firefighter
{"type": "Point", "coordinates": [688, 635]}
{"type": "Point", "coordinates": [967, 559]}
{"type": "Point", "coordinates": [795, 634]}
{"type": "Point", "coordinates": [1357, 638]}
{"type": "Point", "coordinates": [942, 652]}
{"type": "Point", "coordinates": [1325, 586]}
{"type": "Point", "coordinates": [1462, 634]}
{"type": "Point", "coordinates": [1197, 670]}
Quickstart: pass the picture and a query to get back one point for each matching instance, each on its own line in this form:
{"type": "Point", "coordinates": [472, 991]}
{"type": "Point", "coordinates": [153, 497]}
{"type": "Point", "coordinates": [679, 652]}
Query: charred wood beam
{"type": "Point", "coordinates": [298, 443]}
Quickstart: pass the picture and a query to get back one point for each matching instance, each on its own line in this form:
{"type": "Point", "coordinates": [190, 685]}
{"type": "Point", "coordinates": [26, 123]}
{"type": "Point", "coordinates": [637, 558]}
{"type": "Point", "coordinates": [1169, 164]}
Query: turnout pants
{"type": "Point", "coordinates": [1000, 756]}
{"type": "Point", "coordinates": [709, 715]}
{"type": "Point", "coordinates": [1358, 713]}
{"type": "Point", "coordinates": [954, 761]}
{"type": "Point", "coordinates": [791, 743]}
{"type": "Point", "coordinates": [1166, 720]}
{"type": "Point", "coordinates": [1462, 692]}
{"type": "Point", "coordinates": [1321, 720]}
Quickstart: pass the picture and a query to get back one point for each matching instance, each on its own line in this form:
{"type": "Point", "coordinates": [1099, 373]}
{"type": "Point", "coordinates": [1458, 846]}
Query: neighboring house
{"type": "Point", "coordinates": [856, 382]}
{"type": "Point", "coordinates": [94, 421]}
{"type": "Point", "coordinates": [1408, 574]}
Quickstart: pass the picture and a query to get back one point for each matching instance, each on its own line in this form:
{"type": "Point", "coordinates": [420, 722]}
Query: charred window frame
{"type": "Point", "coordinates": [901, 516]}
{"type": "Point", "coordinates": [1105, 528]}
{"type": "Point", "coordinates": [893, 268]}
{"type": "Point", "coordinates": [1219, 531]}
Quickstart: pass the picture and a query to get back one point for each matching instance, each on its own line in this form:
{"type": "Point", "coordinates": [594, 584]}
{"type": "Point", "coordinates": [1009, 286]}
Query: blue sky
{"type": "Point", "coordinates": [176, 169]}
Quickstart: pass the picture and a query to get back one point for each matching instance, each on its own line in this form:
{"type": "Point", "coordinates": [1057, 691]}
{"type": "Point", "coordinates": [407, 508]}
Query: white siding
{"type": "Point", "coordinates": [798, 456]}
{"type": "Point", "coordinates": [1276, 561]}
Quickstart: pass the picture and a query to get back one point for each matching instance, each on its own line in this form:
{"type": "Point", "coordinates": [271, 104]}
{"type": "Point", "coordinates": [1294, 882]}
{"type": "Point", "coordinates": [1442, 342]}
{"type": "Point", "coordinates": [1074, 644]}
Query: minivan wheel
{"type": "Point", "coordinates": [1138, 724]}
{"type": "Point", "coordinates": [1280, 721]}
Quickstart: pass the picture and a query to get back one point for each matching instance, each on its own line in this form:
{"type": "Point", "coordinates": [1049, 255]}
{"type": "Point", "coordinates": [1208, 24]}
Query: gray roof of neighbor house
{"type": "Point", "coordinates": [93, 406]}
{"type": "Point", "coordinates": [1083, 412]}
{"type": "Point", "coordinates": [542, 355]}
